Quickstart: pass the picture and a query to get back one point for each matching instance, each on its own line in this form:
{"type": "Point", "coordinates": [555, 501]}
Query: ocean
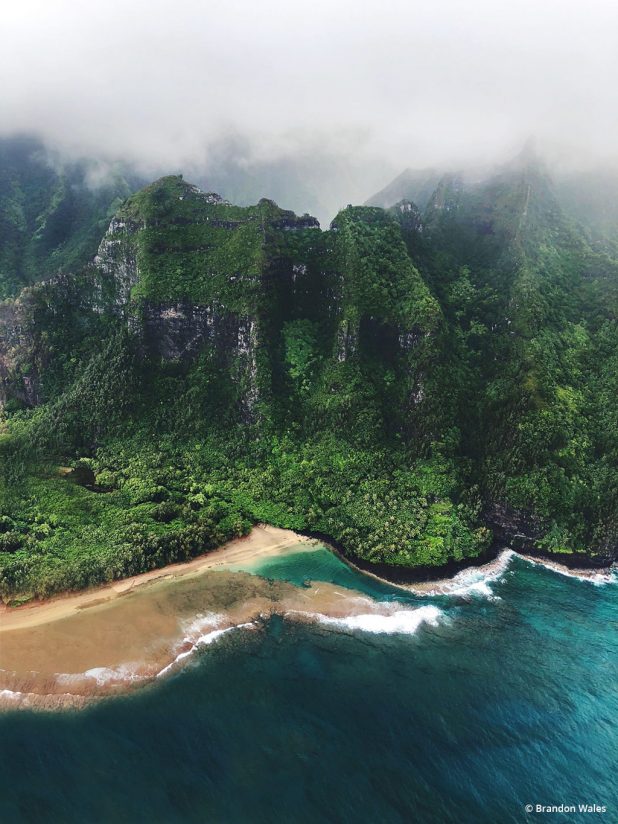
{"type": "Point", "coordinates": [466, 707]}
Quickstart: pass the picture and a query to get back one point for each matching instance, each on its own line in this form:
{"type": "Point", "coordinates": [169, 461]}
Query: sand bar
{"type": "Point", "coordinates": [75, 649]}
{"type": "Point", "coordinates": [263, 542]}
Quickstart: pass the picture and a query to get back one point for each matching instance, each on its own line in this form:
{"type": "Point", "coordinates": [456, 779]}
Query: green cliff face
{"type": "Point", "coordinates": [411, 383]}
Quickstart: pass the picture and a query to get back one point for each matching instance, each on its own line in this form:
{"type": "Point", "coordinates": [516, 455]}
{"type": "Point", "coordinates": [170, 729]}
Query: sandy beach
{"type": "Point", "coordinates": [263, 542]}
{"type": "Point", "coordinates": [76, 648]}
{"type": "Point", "coordinates": [73, 649]}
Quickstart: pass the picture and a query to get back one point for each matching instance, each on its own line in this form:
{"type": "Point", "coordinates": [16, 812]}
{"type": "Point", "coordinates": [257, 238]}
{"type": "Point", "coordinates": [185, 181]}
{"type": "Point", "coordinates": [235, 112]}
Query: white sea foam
{"type": "Point", "coordinates": [11, 695]}
{"type": "Point", "coordinates": [479, 588]}
{"type": "Point", "coordinates": [598, 579]}
{"type": "Point", "coordinates": [103, 675]}
{"type": "Point", "coordinates": [403, 621]}
{"type": "Point", "coordinates": [196, 638]}
{"type": "Point", "coordinates": [32, 700]}
{"type": "Point", "coordinates": [474, 582]}
{"type": "Point", "coordinates": [194, 629]}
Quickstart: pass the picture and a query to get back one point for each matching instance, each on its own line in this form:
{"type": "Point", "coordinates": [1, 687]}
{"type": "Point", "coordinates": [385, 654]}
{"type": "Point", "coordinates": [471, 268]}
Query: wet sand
{"type": "Point", "coordinates": [78, 648]}
{"type": "Point", "coordinates": [263, 542]}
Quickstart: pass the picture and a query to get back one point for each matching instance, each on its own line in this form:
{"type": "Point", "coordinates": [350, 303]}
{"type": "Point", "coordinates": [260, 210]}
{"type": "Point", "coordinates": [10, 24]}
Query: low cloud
{"type": "Point", "coordinates": [346, 92]}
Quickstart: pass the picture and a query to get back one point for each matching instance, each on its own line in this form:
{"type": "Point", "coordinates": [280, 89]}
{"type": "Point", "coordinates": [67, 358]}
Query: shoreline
{"type": "Point", "coordinates": [81, 647]}
{"type": "Point", "coordinates": [421, 580]}
{"type": "Point", "coordinates": [264, 541]}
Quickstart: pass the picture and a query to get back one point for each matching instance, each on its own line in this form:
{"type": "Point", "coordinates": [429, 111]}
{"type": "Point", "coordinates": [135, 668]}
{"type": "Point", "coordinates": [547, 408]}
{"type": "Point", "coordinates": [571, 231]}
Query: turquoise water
{"type": "Point", "coordinates": [323, 565]}
{"type": "Point", "coordinates": [508, 700]}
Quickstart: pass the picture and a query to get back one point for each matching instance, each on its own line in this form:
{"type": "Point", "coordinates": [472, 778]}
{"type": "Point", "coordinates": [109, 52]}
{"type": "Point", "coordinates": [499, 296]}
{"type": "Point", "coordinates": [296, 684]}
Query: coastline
{"type": "Point", "coordinates": [420, 580]}
{"type": "Point", "coordinates": [81, 647]}
{"type": "Point", "coordinates": [264, 541]}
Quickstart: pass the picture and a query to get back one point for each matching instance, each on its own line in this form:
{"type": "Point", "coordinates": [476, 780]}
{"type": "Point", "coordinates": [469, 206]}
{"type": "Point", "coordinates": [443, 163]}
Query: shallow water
{"type": "Point", "coordinates": [503, 696]}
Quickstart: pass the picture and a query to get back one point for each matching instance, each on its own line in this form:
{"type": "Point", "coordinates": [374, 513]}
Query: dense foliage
{"type": "Point", "coordinates": [393, 383]}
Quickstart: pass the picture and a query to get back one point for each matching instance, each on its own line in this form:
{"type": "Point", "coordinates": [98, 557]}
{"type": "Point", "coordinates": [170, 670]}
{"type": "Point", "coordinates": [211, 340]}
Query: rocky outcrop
{"type": "Point", "coordinates": [292, 223]}
{"type": "Point", "coordinates": [347, 340]}
{"type": "Point", "coordinates": [116, 260]}
{"type": "Point", "coordinates": [519, 530]}
{"type": "Point", "coordinates": [198, 228]}
{"type": "Point", "coordinates": [246, 367]}
{"type": "Point", "coordinates": [18, 377]}
{"type": "Point", "coordinates": [524, 532]}
{"type": "Point", "coordinates": [179, 331]}
{"type": "Point", "coordinates": [605, 545]}
{"type": "Point", "coordinates": [409, 216]}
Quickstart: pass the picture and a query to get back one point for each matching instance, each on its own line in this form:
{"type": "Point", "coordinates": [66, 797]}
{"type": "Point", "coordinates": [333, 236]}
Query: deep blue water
{"type": "Point", "coordinates": [504, 703]}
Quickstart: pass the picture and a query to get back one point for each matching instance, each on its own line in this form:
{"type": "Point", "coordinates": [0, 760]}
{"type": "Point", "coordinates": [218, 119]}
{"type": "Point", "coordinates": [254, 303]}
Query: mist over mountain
{"type": "Point", "coordinates": [315, 108]}
{"type": "Point", "coordinates": [588, 196]}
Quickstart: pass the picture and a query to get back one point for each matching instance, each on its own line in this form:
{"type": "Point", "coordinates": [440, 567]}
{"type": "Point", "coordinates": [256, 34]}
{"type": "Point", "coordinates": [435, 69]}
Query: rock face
{"type": "Point", "coordinates": [347, 340]}
{"type": "Point", "coordinates": [116, 260]}
{"type": "Point", "coordinates": [171, 229]}
{"type": "Point", "coordinates": [524, 532]}
{"type": "Point", "coordinates": [178, 331]}
{"type": "Point", "coordinates": [185, 272]}
{"type": "Point", "coordinates": [18, 380]}
{"type": "Point", "coordinates": [188, 273]}
{"type": "Point", "coordinates": [516, 529]}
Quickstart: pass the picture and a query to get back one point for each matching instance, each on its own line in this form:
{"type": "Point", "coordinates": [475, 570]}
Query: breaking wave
{"type": "Point", "coordinates": [598, 578]}
{"type": "Point", "coordinates": [195, 637]}
{"type": "Point", "coordinates": [402, 622]}
{"type": "Point", "coordinates": [474, 582]}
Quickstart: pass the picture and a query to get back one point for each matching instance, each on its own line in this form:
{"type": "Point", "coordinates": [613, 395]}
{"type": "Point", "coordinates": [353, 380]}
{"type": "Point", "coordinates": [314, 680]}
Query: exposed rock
{"type": "Point", "coordinates": [246, 347]}
{"type": "Point", "coordinates": [523, 531]}
{"type": "Point", "coordinates": [407, 340]}
{"type": "Point", "coordinates": [347, 340]}
{"type": "Point", "coordinates": [519, 530]}
{"type": "Point", "coordinates": [18, 378]}
{"type": "Point", "coordinates": [294, 223]}
{"type": "Point", "coordinates": [177, 331]}
{"type": "Point", "coordinates": [116, 259]}
{"type": "Point", "coordinates": [409, 216]}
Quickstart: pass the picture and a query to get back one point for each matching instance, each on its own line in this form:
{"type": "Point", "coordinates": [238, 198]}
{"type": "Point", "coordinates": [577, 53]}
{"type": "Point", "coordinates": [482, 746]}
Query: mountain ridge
{"type": "Point", "coordinates": [407, 382]}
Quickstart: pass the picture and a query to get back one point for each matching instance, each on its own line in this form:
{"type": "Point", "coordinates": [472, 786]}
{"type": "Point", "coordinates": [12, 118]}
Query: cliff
{"type": "Point", "coordinates": [412, 382]}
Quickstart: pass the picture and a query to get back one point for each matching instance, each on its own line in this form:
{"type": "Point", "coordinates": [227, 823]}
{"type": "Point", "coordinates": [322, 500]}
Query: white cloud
{"type": "Point", "coordinates": [399, 81]}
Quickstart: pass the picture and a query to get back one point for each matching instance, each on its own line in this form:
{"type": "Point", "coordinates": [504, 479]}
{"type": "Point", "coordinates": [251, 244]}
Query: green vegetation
{"type": "Point", "coordinates": [409, 386]}
{"type": "Point", "coordinates": [52, 213]}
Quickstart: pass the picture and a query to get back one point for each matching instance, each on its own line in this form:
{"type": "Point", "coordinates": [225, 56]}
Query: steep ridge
{"type": "Point", "coordinates": [408, 382]}
{"type": "Point", "coordinates": [539, 302]}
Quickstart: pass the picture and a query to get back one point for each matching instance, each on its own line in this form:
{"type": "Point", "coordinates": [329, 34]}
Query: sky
{"type": "Point", "coordinates": [331, 97]}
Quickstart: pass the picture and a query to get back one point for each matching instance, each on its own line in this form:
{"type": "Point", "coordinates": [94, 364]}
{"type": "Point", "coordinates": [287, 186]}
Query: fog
{"type": "Point", "coordinates": [330, 98]}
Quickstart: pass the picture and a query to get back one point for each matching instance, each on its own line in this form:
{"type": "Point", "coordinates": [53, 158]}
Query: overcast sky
{"type": "Point", "coordinates": [385, 84]}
